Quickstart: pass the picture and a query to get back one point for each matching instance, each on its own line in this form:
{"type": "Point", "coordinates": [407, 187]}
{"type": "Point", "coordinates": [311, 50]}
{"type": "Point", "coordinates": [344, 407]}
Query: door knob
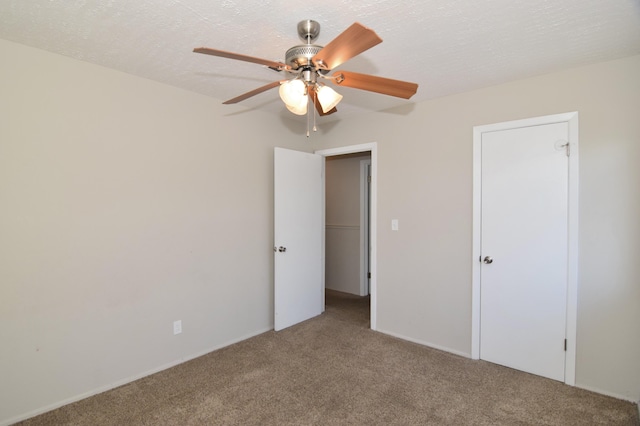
{"type": "Point", "coordinates": [487, 260]}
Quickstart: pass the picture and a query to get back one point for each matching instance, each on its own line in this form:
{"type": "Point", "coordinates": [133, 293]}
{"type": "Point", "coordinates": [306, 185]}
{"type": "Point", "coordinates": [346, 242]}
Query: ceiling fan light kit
{"type": "Point", "coordinates": [310, 62]}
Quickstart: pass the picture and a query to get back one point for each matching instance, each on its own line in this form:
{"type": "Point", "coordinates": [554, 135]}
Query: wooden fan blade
{"type": "Point", "coordinates": [353, 41]}
{"type": "Point", "coordinates": [386, 86]}
{"type": "Point", "coordinates": [254, 92]}
{"type": "Point", "coordinates": [239, 57]}
{"type": "Point", "coordinates": [316, 102]}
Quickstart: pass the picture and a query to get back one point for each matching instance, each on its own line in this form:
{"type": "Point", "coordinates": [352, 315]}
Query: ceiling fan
{"type": "Point", "coordinates": [311, 64]}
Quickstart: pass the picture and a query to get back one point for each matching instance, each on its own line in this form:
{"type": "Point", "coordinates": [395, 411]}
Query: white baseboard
{"type": "Point", "coordinates": [130, 379]}
{"type": "Point", "coordinates": [467, 355]}
{"type": "Point", "coordinates": [428, 344]}
{"type": "Point", "coordinates": [607, 393]}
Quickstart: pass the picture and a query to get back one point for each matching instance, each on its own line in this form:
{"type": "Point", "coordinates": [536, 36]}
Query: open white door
{"type": "Point", "coordinates": [298, 237]}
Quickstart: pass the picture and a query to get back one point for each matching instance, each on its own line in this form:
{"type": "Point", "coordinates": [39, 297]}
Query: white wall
{"type": "Point", "coordinates": [124, 205]}
{"type": "Point", "coordinates": [425, 181]}
{"type": "Point", "coordinates": [342, 262]}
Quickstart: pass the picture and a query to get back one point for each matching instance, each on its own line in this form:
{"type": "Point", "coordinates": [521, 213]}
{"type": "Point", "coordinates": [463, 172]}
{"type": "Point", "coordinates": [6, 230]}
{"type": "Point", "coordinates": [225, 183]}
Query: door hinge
{"type": "Point", "coordinates": [565, 345]}
{"type": "Point", "coordinates": [369, 179]}
{"type": "Point", "coordinates": [369, 275]}
{"type": "Point", "coordinates": [563, 144]}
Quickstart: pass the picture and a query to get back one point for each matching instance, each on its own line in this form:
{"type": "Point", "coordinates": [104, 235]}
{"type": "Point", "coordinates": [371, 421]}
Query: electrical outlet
{"type": "Point", "coordinates": [177, 327]}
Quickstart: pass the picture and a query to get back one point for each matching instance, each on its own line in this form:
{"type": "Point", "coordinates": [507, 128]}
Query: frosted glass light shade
{"type": "Point", "coordinates": [328, 98]}
{"type": "Point", "coordinates": [293, 92]}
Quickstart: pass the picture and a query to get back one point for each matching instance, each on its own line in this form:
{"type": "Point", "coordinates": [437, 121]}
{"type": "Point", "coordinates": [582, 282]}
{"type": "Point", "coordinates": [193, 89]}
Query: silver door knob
{"type": "Point", "coordinates": [487, 260]}
{"type": "Point", "coordinates": [282, 249]}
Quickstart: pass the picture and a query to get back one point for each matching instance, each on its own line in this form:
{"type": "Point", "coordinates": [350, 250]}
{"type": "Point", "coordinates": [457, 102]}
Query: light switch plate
{"type": "Point", "coordinates": [394, 224]}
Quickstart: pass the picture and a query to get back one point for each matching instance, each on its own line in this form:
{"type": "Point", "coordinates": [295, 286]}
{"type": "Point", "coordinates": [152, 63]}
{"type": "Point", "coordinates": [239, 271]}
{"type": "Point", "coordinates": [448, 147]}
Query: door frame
{"type": "Point", "coordinates": [365, 207]}
{"type": "Point", "coordinates": [572, 256]}
{"type": "Point", "coordinates": [373, 148]}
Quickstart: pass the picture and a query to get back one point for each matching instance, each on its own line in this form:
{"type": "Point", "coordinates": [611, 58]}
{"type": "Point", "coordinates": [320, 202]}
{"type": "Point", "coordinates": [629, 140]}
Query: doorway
{"type": "Point", "coordinates": [524, 293]}
{"type": "Point", "coordinates": [347, 209]}
{"type": "Point", "coordinates": [359, 151]}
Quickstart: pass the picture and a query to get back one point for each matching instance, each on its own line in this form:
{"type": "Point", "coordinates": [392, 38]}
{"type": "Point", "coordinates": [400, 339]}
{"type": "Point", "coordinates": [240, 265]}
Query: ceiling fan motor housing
{"type": "Point", "coordinates": [300, 56]}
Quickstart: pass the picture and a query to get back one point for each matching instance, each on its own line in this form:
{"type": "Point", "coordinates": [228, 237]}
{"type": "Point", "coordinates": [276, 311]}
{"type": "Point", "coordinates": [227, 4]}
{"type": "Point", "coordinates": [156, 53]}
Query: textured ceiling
{"type": "Point", "coordinates": [446, 46]}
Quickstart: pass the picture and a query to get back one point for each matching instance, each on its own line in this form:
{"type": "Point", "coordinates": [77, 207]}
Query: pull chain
{"type": "Point", "coordinates": [315, 99]}
{"type": "Point", "coordinates": [308, 112]}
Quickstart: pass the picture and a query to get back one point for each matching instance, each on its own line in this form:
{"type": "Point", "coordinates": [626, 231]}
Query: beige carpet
{"type": "Point", "coordinates": [333, 370]}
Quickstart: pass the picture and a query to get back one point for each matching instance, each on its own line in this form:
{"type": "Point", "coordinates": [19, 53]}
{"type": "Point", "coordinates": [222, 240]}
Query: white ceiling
{"type": "Point", "coordinates": [446, 46]}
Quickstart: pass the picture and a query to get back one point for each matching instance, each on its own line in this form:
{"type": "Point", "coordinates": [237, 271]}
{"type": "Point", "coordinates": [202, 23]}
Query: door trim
{"type": "Point", "coordinates": [572, 268]}
{"type": "Point", "coordinates": [373, 148]}
{"type": "Point", "coordinates": [364, 226]}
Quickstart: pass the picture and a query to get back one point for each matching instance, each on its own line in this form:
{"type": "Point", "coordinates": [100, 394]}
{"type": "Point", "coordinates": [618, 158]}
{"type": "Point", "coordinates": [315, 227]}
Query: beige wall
{"type": "Point", "coordinates": [124, 205]}
{"type": "Point", "coordinates": [342, 237]}
{"type": "Point", "coordinates": [425, 181]}
{"type": "Point", "coordinates": [127, 204]}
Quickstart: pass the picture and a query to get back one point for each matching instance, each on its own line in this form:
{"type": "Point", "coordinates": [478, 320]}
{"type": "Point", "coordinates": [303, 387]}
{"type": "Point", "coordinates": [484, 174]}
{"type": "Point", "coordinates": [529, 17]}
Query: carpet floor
{"type": "Point", "coordinates": [333, 370]}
